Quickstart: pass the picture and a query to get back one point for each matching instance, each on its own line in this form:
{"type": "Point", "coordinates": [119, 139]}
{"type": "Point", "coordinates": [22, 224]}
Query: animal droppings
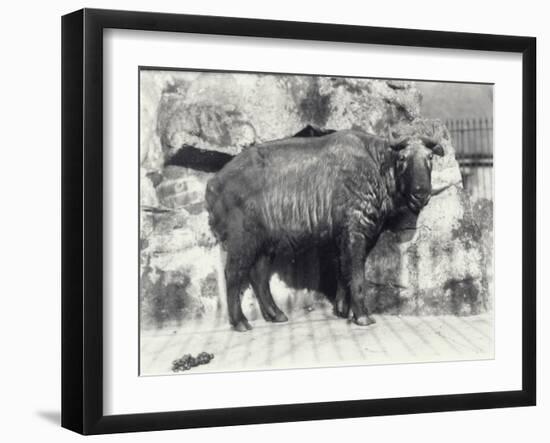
{"type": "Point", "coordinates": [188, 361]}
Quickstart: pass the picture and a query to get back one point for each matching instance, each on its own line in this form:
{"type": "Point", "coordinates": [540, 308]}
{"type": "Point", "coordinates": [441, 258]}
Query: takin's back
{"type": "Point", "coordinates": [295, 187]}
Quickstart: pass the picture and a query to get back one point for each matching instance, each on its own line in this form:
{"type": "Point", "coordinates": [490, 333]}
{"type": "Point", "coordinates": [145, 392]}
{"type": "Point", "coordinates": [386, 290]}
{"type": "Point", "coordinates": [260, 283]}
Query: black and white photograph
{"type": "Point", "coordinates": [305, 221]}
{"type": "Point", "coordinates": [275, 221]}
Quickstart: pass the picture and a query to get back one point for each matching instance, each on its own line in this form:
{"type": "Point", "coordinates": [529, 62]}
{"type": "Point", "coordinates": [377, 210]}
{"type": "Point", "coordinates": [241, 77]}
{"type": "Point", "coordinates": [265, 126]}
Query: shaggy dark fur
{"type": "Point", "coordinates": [288, 195]}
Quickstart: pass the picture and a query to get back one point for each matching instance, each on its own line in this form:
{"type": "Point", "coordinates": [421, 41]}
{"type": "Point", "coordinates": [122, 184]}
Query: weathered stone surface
{"type": "Point", "coordinates": [148, 194]}
{"type": "Point", "coordinates": [230, 111]}
{"type": "Point", "coordinates": [433, 264]}
{"type": "Point", "coordinates": [183, 188]}
{"type": "Point", "coordinates": [152, 87]}
{"type": "Point", "coordinates": [482, 211]}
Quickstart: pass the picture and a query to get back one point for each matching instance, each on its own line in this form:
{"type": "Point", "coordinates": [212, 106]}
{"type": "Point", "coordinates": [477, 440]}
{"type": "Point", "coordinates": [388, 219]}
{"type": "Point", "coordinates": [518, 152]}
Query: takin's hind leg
{"type": "Point", "coordinates": [260, 274]}
{"type": "Point", "coordinates": [236, 273]}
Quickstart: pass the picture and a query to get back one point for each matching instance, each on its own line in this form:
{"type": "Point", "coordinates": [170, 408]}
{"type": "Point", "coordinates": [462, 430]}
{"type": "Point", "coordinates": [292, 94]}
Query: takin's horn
{"type": "Point", "coordinates": [433, 144]}
{"type": "Point", "coordinates": [429, 142]}
{"type": "Point", "coordinates": [397, 144]}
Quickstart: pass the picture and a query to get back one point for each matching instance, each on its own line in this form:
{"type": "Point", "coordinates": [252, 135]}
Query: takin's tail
{"type": "Point", "coordinates": [199, 159]}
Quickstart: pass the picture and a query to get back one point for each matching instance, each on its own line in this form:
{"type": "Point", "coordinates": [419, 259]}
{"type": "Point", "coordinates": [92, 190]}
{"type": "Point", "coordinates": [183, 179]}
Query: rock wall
{"type": "Point", "coordinates": [432, 264]}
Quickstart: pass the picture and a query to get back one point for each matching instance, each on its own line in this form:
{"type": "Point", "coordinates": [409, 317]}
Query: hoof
{"type": "Point", "coordinates": [341, 308]}
{"type": "Point", "coordinates": [280, 317]}
{"type": "Point", "coordinates": [342, 313]}
{"type": "Point", "coordinates": [364, 320]}
{"type": "Point", "coordinates": [242, 326]}
{"type": "Point", "coordinates": [266, 315]}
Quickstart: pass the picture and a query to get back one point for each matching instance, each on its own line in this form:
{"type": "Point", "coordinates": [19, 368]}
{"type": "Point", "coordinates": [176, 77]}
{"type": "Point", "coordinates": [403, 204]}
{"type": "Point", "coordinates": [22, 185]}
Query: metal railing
{"type": "Point", "coordinates": [473, 142]}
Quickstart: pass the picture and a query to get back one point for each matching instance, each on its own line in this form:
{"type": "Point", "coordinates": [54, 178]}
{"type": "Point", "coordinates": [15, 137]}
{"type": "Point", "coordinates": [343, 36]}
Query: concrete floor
{"type": "Point", "coordinates": [318, 339]}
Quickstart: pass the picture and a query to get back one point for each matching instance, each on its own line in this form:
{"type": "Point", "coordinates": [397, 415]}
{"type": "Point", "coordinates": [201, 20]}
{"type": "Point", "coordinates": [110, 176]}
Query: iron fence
{"type": "Point", "coordinates": [473, 142]}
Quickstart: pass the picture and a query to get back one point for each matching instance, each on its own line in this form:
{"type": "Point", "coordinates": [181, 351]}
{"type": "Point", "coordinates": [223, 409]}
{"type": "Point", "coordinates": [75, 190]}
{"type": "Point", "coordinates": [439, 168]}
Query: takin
{"type": "Point", "coordinates": [318, 187]}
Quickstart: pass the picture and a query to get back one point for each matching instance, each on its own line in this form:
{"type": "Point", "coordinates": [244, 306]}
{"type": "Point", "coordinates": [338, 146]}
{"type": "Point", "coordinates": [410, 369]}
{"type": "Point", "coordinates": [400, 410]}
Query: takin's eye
{"type": "Point", "coordinates": [400, 165]}
{"type": "Point", "coordinates": [430, 156]}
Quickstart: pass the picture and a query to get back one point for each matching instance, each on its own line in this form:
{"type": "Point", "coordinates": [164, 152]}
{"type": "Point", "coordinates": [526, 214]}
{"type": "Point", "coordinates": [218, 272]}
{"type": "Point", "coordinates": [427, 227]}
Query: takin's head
{"type": "Point", "coordinates": [413, 168]}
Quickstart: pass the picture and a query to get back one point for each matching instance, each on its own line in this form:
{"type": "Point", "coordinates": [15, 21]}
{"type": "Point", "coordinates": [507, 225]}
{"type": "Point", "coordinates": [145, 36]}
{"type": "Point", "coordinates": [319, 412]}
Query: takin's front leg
{"type": "Point", "coordinates": [355, 249]}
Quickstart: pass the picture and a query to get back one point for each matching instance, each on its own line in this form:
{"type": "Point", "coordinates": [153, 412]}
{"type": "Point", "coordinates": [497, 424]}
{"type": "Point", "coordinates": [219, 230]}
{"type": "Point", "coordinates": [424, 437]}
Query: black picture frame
{"type": "Point", "coordinates": [82, 218]}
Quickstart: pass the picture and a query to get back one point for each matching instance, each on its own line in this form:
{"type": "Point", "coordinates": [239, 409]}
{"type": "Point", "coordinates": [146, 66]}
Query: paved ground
{"type": "Point", "coordinates": [317, 338]}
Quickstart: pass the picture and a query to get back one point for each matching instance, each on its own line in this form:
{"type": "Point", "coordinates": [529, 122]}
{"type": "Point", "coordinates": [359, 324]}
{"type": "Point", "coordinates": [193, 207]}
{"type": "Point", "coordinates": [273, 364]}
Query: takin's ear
{"type": "Point", "coordinates": [433, 144]}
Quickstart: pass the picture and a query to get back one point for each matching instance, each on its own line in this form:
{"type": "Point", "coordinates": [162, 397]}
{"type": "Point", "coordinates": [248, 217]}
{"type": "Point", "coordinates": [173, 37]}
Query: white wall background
{"type": "Point", "coordinates": [30, 222]}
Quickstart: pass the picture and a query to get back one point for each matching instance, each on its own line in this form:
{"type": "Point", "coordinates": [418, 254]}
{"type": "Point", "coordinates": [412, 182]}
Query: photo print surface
{"type": "Point", "coordinates": [300, 221]}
